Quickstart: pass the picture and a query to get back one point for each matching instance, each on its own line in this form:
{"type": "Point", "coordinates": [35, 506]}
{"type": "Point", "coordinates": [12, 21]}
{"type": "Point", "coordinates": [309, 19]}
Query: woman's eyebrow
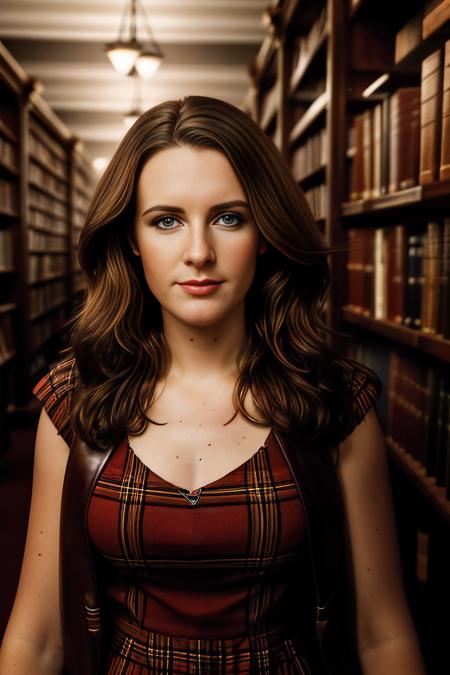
{"type": "Point", "coordinates": [216, 207]}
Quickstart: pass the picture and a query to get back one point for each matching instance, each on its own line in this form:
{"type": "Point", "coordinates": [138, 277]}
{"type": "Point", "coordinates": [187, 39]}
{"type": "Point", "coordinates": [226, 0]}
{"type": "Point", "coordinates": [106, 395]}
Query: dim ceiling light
{"type": "Point", "coordinates": [127, 54]}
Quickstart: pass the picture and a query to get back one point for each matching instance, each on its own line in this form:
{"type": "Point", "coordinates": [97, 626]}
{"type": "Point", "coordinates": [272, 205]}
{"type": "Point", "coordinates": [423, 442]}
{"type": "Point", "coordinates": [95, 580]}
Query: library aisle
{"type": "Point", "coordinates": [356, 96]}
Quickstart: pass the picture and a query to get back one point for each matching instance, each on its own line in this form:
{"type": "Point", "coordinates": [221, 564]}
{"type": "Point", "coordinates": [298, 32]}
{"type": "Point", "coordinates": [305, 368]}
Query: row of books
{"type": "Point", "coordinates": [38, 131]}
{"type": "Point", "coordinates": [419, 414]}
{"type": "Point", "coordinates": [80, 178]}
{"type": "Point", "coordinates": [42, 201]}
{"type": "Point", "coordinates": [80, 201]}
{"type": "Point", "coordinates": [404, 140]}
{"type": "Point", "coordinates": [41, 267]}
{"type": "Point", "coordinates": [316, 198]}
{"type": "Point", "coordinates": [8, 196]}
{"type": "Point", "coordinates": [414, 406]}
{"type": "Point", "coordinates": [8, 154]}
{"type": "Point", "coordinates": [6, 250]}
{"type": "Point", "coordinates": [310, 156]}
{"type": "Point", "coordinates": [6, 335]}
{"type": "Point", "coordinates": [46, 181]}
{"type": "Point", "coordinates": [402, 276]}
{"type": "Point", "coordinates": [44, 297]}
{"type": "Point", "coordinates": [47, 221]}
{"type": "Point", "coordinates": [305, 46]}
{"type": "Point", "coordinates": [39, 241]}
{"type": "Point", "coordinates": [44, 155]}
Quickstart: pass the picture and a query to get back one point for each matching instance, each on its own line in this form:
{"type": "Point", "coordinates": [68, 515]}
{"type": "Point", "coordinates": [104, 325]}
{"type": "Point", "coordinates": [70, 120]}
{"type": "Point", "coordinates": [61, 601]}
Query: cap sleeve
{"type": "Point", "coordinates": [54, 390]}
{"type": "Point", "coordinates": [365, 394]}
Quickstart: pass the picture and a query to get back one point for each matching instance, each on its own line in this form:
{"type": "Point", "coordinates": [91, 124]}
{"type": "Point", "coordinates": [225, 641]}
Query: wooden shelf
{"type": "Point", "coordinates": [8, 307]}
{"type": "Point", "coordinates": [313, 176]}
{"type": "Point", "coordinates": [314, 112]}
{"type": "Point", "coordinates": [429, 344]}
{"type": "Point", "coordinates": [426, 485]}
{"type": "Point", "coordinates": [48, 279]}
{"type": "Point", "coordinates": [299, 74]}
{"type": "Point", "coordinates": [8, 213]}
{"type": "Point", "coordinates": [264, 57]}
{"type": "Point", "coordinates": [49, 310]}
{"type": "Point", "coordinates": [7, 132]}
{"type": "Point", "coordinates": [431, 195]}
{"type": "Point", "coordinates": [48, 192]}
{"type": "Point", "coordinates": [7, 168]}
{"type": "Point", "coordinates": [49, 169]}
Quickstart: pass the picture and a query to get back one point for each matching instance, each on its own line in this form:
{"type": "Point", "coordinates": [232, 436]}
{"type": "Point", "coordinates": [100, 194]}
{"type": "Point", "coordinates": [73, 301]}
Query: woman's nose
{"type": "Point", "coordinates": [199, 249]}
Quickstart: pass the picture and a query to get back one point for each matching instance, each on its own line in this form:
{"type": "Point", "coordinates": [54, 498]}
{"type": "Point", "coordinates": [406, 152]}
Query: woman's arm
{"type": "Point", "coordinates": [387, 639]}
{"type": "Point", "coordinates": [32, 642]}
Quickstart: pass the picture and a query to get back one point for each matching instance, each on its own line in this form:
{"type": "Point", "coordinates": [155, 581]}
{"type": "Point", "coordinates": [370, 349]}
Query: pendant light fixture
{"type": "Point", "coordinates": [127, 52]}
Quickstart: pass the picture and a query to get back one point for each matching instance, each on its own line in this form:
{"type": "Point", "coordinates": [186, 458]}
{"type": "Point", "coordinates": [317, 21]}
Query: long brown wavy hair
{"type": "Point", "coordinates": [299, 384]}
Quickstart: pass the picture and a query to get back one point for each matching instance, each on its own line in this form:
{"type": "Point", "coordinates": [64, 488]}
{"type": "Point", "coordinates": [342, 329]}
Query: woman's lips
{"type": "Point", "coordinates": [201, 289]}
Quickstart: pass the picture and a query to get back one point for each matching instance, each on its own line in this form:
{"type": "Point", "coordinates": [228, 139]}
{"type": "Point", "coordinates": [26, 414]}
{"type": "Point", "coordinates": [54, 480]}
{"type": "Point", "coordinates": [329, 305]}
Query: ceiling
{"type": "Point", "coordinates": [207, 46]}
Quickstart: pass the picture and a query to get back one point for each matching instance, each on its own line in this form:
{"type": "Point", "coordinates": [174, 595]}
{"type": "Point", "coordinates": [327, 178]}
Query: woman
{"type": "Point", "coordinates": [205, 523]}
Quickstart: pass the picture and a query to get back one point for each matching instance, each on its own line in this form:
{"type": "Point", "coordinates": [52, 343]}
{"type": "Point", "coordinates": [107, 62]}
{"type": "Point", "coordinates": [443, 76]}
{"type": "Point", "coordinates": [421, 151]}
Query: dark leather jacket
{"type": "Point", "coordinates": [332, 643]}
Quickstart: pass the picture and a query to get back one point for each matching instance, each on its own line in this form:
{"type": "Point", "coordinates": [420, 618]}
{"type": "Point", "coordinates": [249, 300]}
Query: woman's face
{"type": "Point", "coordinates": [192, 223]}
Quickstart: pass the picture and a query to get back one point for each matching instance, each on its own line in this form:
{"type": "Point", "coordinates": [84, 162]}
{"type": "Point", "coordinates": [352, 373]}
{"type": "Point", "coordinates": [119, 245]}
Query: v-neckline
{"type": "Point", "coordinates": [216, 480]}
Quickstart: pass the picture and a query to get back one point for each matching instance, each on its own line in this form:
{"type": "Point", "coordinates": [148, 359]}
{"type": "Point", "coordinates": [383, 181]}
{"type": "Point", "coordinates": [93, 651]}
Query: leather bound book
{"type": "Point", "coordinates": [396, 266]}
{"type": "Point", "coordinates": [430, 289]}
{"type": "Point", "coordinates": [404, 138]}
{"type": "Point", "coordinates": [385, 118]}
{"type": "Point", "coordinates": [443, 312]}
{"type": "Point", "coordinates": [367, 154]}
{"type": "Point", "coordinates": [380, 276]}
{"type": "Point", "coordinates": [368, 267]}
{"type": "Point", "coordinates": [430, 117]}
{"type": "Point", "coordinates": [444, 171]}
{"type": "Point", "coordinates": [357, 173]}
{"type": "Point", "coordinates": [377, 126]}
{"type": "Point", "coordinates": [414, 260]}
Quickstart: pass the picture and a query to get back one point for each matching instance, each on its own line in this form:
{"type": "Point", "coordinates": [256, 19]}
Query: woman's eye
{"type": "Point", "coordinates": [162, 222]}
{"type": "Point", "coordinates": [234, 216]}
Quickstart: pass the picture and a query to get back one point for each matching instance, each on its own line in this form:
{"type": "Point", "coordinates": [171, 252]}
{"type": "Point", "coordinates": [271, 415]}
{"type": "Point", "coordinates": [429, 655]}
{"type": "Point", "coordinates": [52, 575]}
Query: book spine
{"type": "Point", "coordinates": [444, 169]}
{"type": "Point", "coordinates": [431, 115]}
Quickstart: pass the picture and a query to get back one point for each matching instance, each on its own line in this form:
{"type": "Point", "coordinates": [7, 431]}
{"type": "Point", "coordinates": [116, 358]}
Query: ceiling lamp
{"type": "Point", "coordinates": [127, 52]}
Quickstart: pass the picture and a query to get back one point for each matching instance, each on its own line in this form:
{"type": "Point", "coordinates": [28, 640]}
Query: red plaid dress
{"type": "Point", "coordinates": [219, 586]}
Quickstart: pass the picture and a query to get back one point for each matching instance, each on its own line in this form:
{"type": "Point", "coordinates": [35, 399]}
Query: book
{"type": "Point", "coordinates": [409, 36]}
{"type": "Point", "coordinates": [444, 170]}
{"type": "Point", "coordinates": [404, 138]}
{"type": "Point", "coordinates": [430, 116]}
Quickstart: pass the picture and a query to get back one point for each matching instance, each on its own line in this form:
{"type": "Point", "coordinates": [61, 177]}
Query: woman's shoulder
{"type": "Point", "coordinates": [54, 390]}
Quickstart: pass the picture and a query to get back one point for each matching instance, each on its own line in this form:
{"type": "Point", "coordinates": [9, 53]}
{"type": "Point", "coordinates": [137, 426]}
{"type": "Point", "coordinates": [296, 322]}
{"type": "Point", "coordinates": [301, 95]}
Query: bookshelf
{"type": "Point", "coordinates": [45, 185]}
{"type": "Point", "coordinates": [363, 118]}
